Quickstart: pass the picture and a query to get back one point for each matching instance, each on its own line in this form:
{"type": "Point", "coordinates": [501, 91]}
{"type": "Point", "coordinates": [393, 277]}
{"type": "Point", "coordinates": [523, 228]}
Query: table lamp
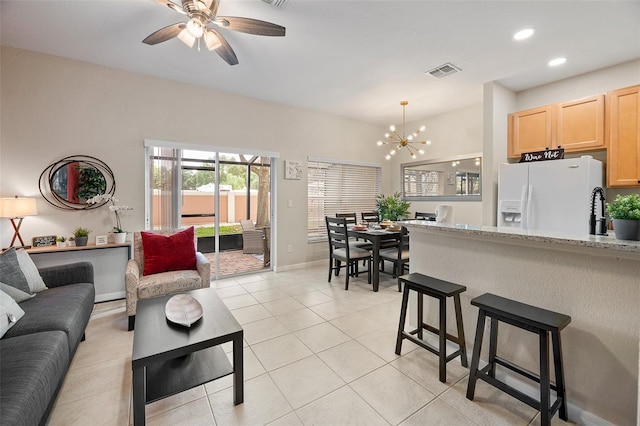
{"type": "Point", "coordinates": [17, 208]}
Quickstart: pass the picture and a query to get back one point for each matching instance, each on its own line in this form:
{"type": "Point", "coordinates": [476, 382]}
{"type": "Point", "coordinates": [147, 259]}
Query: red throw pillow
{"type": "Point", "coordinates": [164, 253]}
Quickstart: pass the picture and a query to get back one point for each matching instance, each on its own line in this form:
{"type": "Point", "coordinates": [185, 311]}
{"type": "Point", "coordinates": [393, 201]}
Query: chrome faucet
{"type": "Point", "coordinates": [592, 219]}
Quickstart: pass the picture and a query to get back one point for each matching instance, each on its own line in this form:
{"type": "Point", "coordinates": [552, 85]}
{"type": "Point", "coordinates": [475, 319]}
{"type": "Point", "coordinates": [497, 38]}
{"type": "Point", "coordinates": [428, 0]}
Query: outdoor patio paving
{"type": "Point", "coordinates": [234, 262]}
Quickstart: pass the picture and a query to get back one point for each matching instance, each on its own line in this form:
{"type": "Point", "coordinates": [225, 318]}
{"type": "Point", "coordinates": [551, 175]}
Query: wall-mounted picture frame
{"type": "Point", "coordinates": [44, 241]}
{"type": "Point", "coordinates": [292, 170]}
{"type": "Point", "coordinates": [102, 240]}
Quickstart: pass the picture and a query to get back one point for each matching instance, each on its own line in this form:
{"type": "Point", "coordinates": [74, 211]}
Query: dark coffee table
{"type": "Point", "coordinates": [168, 359]}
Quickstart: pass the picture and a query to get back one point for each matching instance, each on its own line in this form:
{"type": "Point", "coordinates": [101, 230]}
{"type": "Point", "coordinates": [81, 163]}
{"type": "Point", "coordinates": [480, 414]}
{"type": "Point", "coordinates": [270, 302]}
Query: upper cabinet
{"type": "Point", "coordinates": [531, 130]}
{"type": "Point", "coordinates": [581, 124]}
{"type": "Point", "coordinates": [575, 126]}
{"type": "Point", "coordinates": [623, 137]}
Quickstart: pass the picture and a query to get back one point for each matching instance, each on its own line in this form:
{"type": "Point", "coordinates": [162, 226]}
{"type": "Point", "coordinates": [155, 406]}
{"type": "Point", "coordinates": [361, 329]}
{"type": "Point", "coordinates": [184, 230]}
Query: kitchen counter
{"type": "Point", "coordinates": [593, 279]}
{"type": "Point", "coordinates": [607, 245]}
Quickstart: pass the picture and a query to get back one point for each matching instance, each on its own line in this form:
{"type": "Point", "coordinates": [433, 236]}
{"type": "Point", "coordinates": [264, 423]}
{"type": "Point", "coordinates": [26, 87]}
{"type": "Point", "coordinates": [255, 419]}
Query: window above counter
{"type": "Point", "coordinates": [456, 178]}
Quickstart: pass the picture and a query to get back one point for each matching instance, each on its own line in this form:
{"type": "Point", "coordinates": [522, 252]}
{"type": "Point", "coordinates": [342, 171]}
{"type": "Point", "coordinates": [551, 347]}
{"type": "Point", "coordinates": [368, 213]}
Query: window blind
{"type": "Point", "coordinates": [336, 187]}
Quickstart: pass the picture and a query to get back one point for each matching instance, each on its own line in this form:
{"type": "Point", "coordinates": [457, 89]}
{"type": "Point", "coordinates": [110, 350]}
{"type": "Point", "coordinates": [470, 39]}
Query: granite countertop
{"type": "Point", "coordinates": [608, 242]}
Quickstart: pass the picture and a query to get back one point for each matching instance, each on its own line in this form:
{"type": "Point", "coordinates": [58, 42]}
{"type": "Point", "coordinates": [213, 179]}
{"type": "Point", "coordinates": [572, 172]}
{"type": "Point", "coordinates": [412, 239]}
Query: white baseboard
{"type": "Point", "coordinates": [299, 266]}
{"type": "Point", "coordinates": [109, 296]}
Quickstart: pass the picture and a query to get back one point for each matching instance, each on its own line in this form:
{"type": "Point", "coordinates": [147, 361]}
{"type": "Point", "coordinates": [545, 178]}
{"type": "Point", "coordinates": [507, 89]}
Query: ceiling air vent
{"type": "Point", "coordinates": [280, 4]}
{"type": "Point", "coordinates": [443, 70]}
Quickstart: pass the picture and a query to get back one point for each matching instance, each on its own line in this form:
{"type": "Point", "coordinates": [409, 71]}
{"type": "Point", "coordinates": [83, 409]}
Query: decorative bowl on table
{"type": "Point", "coordinates": [183, 310]}
{"type": "Point", "coordinates": [386, 224]}
{"type": "Point", "coordinates": [395, 228]}
{"type": "Point", "coordinates": [359, 227]}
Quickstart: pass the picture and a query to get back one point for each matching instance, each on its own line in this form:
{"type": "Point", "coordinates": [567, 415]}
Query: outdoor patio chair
{"type": "Point", "coordinates": [252, 238]}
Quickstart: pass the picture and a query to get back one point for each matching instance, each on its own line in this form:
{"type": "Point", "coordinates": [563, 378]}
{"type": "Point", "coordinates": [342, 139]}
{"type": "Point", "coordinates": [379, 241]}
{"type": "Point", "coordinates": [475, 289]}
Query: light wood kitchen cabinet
{"type": "Point", "coordinates": [530, 130]}
{"type": "Point", "coordinates": [623, 137]}
{"type": "Point", "coordinates": [581, 124]}
{"type": "Point", "coordinates": [575, 126]}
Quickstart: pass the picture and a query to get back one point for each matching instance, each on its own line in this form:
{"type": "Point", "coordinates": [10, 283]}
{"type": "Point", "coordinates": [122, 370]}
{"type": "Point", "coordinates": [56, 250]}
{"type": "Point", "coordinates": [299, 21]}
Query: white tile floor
{"type": "Point", "coordinates": [314, 354]}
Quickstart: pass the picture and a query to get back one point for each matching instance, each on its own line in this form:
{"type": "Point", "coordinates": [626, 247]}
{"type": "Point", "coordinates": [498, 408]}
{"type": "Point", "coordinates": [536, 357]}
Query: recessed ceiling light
{"type": "Point", "coordinates": [523, 34]}
{"type": "Point", "coordinates": [557, 61]}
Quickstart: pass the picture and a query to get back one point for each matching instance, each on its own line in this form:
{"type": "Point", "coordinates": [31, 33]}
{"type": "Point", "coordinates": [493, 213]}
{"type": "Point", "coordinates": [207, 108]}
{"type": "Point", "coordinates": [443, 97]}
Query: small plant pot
{"type": "Point", "coordinates": [627, 229]}
{"type": "Point", "coordinates": [119, 237]}
{"type": "Point", "coordinates": [61, 244]}
{"type": "Point", "coordinates": [81, 241]}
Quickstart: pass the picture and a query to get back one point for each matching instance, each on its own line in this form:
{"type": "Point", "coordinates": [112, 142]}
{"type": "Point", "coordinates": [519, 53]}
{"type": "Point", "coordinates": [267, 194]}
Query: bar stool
{"type": "Point", "coordinates": [440, 290]}
{"type": "Point", "coordinates": [535, 320]}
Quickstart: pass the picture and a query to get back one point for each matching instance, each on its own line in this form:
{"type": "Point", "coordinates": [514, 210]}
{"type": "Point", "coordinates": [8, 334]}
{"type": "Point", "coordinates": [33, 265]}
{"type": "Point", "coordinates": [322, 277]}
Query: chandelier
{"type": "Point", "coordinates": [399, 140]}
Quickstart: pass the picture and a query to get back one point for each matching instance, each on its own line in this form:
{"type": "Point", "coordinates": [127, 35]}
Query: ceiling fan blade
{"type": "Point", "coordinates": [280, 4]}
{"type": "Point", "coordinates": [224, 50]}
{"type": "Point", "coordinates": [172, 5]}
{"type": "Point", "coordinates": [186, 38]}
{"type": "Point", "coordinates": [164, 34]}
{"type": "Point", "coordinates": [211, 40]}
{"type": "Point", "coordinates": [250, 26]}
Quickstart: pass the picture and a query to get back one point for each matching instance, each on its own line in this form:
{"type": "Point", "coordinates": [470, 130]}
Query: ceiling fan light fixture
{"type": "Point", "coordinates": [187, 38]}
{"type": "Point", "coordinates": [195, 27]}
{"type": "Point", "coordinates": [211, 40]}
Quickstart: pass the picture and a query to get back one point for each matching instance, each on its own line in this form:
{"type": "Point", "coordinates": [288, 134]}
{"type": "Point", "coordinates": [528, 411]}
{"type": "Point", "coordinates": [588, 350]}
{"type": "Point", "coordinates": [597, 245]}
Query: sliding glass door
{"type": "Point", "coordinates": [226, 196]}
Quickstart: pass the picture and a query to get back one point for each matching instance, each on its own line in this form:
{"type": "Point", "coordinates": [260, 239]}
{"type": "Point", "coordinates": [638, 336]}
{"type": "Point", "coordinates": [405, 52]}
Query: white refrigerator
{"type": "Point", "coordinates": [549, 195]}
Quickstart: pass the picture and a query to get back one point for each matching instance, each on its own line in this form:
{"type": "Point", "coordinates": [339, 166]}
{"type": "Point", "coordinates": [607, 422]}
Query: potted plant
{"type": "Point", "coordinates": [71, 241]}
{"type": "Point", "coordinates": [61, 242]}
{"type": "Point", "coordinates": [625, 212]}
{"type": "Point", "coordinates": [392, 207]}
{"type": "Point", "coordinates": [81, 235]}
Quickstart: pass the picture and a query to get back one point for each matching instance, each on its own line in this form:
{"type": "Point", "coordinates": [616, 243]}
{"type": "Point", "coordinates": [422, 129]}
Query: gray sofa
{"type": "Point", "coordinates": [36, 352]}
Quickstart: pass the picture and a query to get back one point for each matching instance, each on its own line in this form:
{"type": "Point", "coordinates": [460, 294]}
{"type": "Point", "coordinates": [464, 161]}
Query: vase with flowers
{"type": "Point", "coordinates": [119, 235]}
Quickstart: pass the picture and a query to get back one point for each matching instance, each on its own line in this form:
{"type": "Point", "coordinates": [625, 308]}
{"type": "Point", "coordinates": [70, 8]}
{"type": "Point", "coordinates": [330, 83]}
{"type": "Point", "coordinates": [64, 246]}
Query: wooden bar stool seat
{"type": "Point", "coordinates": [535, 320]}
{"type": "Point", "coordinates": [440, 290]}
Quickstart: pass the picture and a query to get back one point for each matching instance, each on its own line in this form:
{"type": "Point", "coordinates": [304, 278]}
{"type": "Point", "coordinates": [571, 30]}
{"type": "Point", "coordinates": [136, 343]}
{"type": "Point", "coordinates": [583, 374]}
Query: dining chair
{"type": "Point", "coordinates": [370, 216]}
{"type": "Point", "coordinates": [398, 255]}
{"type": "Point", "coordinates": [352, 220]}
{"type": "Point", "coordinates": [425, 216]}
{"type": "Point", "coordinates": [340, 251]}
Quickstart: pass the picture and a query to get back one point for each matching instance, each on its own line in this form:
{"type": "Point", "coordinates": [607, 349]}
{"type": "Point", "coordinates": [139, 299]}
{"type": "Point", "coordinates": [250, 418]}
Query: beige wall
{"type": "Point", "coordinates": [54, 107]}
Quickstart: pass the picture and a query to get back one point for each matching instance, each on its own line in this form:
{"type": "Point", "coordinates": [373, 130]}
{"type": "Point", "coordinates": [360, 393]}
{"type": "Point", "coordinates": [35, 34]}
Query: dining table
{"type": "Point", "coordinates": [375, 237]}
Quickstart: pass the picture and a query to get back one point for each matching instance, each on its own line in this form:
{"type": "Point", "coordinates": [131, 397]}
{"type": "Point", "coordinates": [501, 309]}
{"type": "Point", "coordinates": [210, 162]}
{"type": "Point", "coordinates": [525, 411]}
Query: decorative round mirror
{"type": "Point", "coordinates": [69, 183]}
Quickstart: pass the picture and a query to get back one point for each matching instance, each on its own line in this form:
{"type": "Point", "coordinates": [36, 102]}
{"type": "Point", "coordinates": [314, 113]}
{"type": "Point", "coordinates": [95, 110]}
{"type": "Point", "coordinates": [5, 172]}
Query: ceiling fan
{"type": "Point", "coordinates": [202, 13]}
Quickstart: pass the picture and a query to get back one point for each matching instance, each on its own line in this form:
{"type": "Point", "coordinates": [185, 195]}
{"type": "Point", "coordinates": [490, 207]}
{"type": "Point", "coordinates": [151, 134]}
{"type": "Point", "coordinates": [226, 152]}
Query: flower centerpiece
{"type": "Point", "coordinates": [119, 234]}
{"type": "Point", "coordinates": [625, 212]}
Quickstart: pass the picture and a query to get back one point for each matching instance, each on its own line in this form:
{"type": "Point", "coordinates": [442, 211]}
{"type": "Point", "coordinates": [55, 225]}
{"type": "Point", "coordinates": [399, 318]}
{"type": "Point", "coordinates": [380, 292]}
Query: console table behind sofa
{"type": "Point", "coordinates": [109, 264]}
